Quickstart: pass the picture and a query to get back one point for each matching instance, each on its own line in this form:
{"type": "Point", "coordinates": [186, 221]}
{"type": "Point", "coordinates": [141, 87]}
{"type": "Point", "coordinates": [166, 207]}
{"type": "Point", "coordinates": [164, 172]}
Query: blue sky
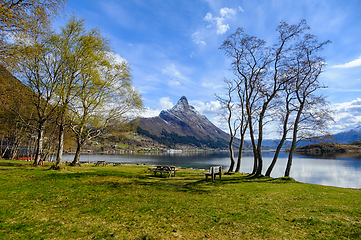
{"type": "Point", "coordinates": [172, 46]}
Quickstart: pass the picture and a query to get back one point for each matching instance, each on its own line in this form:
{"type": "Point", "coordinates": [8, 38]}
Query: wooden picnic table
{"type": "Point", "coordinates": [100, 162]}
{"type": "Point", "coordinates": [164, 169]}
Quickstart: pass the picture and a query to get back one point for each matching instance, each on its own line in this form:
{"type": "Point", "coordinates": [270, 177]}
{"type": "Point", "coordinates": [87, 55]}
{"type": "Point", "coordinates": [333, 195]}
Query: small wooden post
{"type": "Point", "coordinates": [212, 173]}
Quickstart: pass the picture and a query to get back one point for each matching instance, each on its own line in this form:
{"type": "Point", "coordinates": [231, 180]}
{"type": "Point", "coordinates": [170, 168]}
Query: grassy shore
{"type": "Point", "coordinates": [128, 202]}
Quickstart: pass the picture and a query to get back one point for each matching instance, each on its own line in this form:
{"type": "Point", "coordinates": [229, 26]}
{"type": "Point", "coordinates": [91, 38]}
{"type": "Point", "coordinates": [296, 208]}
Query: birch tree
{"type": "Point", "coordinates": [229, 109]}
{"type": "Point", "coordinates": [105, 98]}
{"type": "Point", "coordinates": [22, 16]}
{"type": "Point", "coordinates": [265, 74]}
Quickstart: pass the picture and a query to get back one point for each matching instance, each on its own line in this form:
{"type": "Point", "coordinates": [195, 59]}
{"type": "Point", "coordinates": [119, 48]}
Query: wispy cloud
{"type": "Point", "coordinates": [175, 77]}
{"type": "Point", "coordinates": [216, 23]}
{"type": "Point", "coordinates": [354, 63]}
{"type": "Point", "coordinates": [219, 22]}
{"type": "Point", "coordinates": [196, 37]}
{"type": "Point", "coordinates": [211, 85]}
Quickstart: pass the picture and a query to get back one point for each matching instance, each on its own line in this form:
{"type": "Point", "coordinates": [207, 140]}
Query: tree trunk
{"type": "Point", "coordinates": [294, 141]}
{"type": "Point", "coordinates": [15, 149]}
{"type": "Point", "coordinates": [238, 167]}
{"type": "Point", "coordinates": [275, 157]}
{"type": "Point", "coordinates": [290, 155]}
{"type": "Point", "coordinates": [59, 158]}
{"type": "Point", "coordinates": [255, 159]}
{"type": "Point", "coordinates": [39, 144]}
{"type": "Point", "coordinates": [51, 157]}
{"type": "Point", "coordinates": [232, 155]}
{"type": "Point", "coordinates": [6, 148]}
{"type": "Point", "coordinates": [1, 145]}
{"type": "Point", "coordinates": [280, 144]}
{"type": "Point", "coordinates": [77, 153]}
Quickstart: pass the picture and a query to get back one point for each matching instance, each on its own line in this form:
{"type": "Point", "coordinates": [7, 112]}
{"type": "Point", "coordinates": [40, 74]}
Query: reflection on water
{"type": "Point", "coordinates": [336, 169]}
{"type": "Point", "coordinates": [333, 155]}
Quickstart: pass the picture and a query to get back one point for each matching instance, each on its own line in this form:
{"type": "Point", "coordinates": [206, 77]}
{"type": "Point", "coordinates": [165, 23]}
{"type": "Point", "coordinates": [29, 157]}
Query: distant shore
{"type": "Point", "coordinates": [329, 147]}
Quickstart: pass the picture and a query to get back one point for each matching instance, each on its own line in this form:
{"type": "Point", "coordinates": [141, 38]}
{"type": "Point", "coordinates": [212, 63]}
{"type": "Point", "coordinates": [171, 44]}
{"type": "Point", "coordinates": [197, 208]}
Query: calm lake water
{"type": "Point", "coordinates": [340, 170]}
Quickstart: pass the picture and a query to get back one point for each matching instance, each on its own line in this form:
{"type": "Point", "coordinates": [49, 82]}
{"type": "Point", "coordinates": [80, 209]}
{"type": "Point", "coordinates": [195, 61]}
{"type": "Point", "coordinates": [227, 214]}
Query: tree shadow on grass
{"type": "Point", "coordinates": [12, 163]}
{"type": "Point", "coordinates": [99, 173]}
{"type": "Point", "coordinates": [257, 179]}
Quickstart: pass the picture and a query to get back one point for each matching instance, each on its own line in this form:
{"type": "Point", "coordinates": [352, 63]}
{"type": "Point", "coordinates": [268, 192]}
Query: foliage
{"type": "Point", "coordinates": [74, 79]}
{"type": "Point", "coordinates": [21, 16]}
{"type": "Point", "coordinates": [128, 202]}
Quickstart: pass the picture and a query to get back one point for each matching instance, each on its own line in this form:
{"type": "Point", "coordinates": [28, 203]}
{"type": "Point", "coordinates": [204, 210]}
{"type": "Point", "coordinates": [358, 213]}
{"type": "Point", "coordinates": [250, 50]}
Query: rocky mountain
{"type": "Point", "coordinates": [348, 136]}
{"type": "Point", "coordinates": [344, 137]}
{"type": "Point", "coordinates": [183, 124]}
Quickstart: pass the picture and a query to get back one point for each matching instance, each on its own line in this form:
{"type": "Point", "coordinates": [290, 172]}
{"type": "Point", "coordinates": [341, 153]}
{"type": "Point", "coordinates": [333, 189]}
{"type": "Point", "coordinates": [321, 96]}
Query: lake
{"type": "Point", "coordinates": [340, 170]}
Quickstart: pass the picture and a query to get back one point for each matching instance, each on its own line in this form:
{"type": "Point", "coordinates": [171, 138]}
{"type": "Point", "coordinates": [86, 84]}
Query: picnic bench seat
{"type": "Point", "coordinates": [163, 169]}
{"type": "Point", "coordinates": [213, 171]}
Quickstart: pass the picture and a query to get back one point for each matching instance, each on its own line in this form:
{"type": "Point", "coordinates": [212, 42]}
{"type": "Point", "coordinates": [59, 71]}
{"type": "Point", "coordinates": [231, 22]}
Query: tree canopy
{"type": "Point", "coordinates": [279, 83]}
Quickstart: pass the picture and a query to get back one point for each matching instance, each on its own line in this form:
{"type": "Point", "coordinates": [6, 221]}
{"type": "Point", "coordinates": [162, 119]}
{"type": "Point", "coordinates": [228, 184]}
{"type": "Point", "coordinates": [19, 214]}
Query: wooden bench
{"type": "Point", "coordinates": [163, 169]}
{"type": "Point", "coordinates": [100, 162]}
{"type": "Point", "coordinates": [213, 171]}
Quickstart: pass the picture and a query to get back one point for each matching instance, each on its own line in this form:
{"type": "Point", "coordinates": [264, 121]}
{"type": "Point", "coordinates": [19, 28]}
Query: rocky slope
{"type": "Point", "coordinates": [183, 124]}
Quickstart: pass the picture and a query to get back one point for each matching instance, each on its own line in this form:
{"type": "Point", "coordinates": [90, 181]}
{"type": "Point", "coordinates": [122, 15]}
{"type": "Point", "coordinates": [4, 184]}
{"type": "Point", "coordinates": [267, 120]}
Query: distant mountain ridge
{"type": "Point", "coordinates": [183, 124]}
{"type": "Point", "coordinates": [344, 137]}
{"type": "Point", "coordinates": [348, 136]}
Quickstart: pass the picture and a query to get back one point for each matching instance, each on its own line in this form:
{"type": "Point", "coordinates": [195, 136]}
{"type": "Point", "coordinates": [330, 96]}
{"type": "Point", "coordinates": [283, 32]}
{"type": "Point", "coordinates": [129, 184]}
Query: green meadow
{"type": "Point", "coordinates": [129, 202]}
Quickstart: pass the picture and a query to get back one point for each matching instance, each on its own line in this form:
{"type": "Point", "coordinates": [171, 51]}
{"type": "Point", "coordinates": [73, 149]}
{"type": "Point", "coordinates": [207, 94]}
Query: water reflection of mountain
{"type": "Point", "coordinates": [332, 155]}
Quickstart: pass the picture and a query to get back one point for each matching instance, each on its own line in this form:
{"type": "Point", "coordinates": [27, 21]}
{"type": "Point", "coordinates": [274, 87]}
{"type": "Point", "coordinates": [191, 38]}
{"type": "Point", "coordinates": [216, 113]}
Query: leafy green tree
{"type": "Point", "coordinates": [80, 53]}
{"type": "Point", "coordinates": [38, 65]}
{"type": "Point", "coordinates": [19, 16]}
{"type": "Point", "coordinates": [106, 97]}
{"type": "Point", "coordinates": [93, 91]}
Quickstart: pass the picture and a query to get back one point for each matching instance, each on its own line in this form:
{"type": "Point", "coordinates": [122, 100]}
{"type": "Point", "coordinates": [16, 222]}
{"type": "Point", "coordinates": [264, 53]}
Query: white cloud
{"type": "Point", "coordinates": [348, 115]}
{"type": "Point", "coordinates": [227, 12]}
{"type": "Point", "coordinates": [197, 38]}
{"type": "Point", "coordinates": [165, 103]}
{"type": "Point", "coordinates": [210, 108]}
{"type": "Point", "coordinates": [211, 85]}
{"type": "Point", "coordinates": [240, 9]}
{"type": "Point", "coordinates": [175, 77]}
{"type": "Point", "coordinates": [219, 22]}
{"type": "Point", "coordinates": [116, 57]}
{"type": "Point", "coordinates": [354, 63]}
{"type": "Point", "coordinates": [148, 112]}
{"type": "Point", "coordinates": [173, 72]}
{"type": "Point", "coordinates": [174, 83]}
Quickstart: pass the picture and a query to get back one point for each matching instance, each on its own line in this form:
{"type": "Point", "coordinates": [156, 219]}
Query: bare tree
{"type": "Point", "coordinates": [250, 62]}
{"type": "Point", "coordinates": [312, 111]}
{"type": "Point", "coordinates": [243, 118]}
{"type": "Point", "coordinates": [228, 106]}
{"type": "Point", "coordinates": [266, 74]}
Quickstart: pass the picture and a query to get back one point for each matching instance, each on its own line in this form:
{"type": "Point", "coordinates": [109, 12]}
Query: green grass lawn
{"type": "Point", "coordinates": [129, 202]}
